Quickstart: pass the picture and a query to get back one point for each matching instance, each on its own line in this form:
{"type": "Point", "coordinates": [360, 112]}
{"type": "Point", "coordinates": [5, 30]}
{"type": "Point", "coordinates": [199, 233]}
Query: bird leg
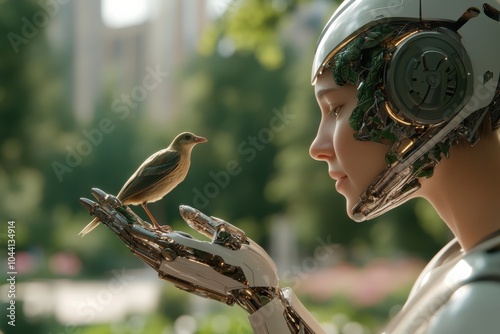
{"type": "Point", "coordinates": [156, 225]}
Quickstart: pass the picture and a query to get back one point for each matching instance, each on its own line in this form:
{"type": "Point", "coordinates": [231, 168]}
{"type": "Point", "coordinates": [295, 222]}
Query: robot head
{"type": "Point", "coordinates": [425, 82]}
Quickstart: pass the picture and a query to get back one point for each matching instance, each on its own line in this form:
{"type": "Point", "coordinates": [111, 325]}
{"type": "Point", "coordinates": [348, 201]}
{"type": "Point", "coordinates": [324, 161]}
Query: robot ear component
{"type": "Point", "coordinates": [428, 78]}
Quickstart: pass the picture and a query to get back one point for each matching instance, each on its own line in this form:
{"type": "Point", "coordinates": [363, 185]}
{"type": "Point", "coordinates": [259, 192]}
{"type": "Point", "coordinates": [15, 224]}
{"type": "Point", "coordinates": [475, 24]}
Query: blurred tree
{"type": "Point", "coordinates": [34, 115]}
{"type": "Point", "coordinates": [44, 153]}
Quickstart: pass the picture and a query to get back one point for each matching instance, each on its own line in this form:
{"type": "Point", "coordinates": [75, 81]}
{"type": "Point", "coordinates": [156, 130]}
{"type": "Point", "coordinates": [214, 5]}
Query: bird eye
{"type": "Point", "coordinates": [187, 137]}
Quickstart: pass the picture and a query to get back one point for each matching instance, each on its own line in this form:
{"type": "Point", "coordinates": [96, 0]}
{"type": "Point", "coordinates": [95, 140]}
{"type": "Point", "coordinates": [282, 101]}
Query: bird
{"type": "Point", "coordinates": [156, 176]}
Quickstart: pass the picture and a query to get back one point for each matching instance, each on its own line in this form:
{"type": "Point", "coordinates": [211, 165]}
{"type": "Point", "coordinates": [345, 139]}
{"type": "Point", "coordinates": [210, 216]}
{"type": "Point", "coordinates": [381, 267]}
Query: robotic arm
{"type": "Point", "coordinates": [231, 268]}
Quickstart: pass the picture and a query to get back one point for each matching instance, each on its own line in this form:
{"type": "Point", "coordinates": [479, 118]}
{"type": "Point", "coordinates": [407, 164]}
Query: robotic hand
{"type": "Point", "coordinates": [231, 268]}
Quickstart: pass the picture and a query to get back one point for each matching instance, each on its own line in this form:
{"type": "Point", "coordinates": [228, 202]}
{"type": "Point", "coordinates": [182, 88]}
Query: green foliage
{"type": "Point", "coordinates": [253, 26]}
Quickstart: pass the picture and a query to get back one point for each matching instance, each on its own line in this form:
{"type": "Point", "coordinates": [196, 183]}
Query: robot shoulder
{"type": "Point", "coordinates": [473, 308]}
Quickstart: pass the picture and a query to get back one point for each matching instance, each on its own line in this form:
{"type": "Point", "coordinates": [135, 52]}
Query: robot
{"type": "Point", "coordinates": [231, 268]}
{"type": "Point", "coordinates": [432, 81]}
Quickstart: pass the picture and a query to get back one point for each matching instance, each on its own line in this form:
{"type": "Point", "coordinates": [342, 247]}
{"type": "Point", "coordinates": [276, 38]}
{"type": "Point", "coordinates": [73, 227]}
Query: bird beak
{"type": "Point", "coordinates": [199, 139]}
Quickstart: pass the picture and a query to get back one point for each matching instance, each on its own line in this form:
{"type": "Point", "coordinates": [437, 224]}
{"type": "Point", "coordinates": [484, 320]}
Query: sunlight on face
{"type": "Point", "coordinates": [353, 164]}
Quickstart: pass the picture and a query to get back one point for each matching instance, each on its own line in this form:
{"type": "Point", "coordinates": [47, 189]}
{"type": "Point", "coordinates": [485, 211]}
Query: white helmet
{"type": "Point", "coordinates": [427, 73]}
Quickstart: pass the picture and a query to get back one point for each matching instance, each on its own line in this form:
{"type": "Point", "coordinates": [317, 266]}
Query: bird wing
{"type": "Point", "coordinates": [150, 173]}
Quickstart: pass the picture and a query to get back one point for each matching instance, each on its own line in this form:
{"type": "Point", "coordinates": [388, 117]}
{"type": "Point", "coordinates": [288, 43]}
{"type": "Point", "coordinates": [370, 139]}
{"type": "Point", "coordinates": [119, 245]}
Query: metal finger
{"type": "Point", "coordinates": [103, 197]}
{"type": "Point", "coordinates": [221, 232]}
{"type": "Point", "coordinates": [94, 209]}
{"type": "Point", "coordinates": [198, 221]}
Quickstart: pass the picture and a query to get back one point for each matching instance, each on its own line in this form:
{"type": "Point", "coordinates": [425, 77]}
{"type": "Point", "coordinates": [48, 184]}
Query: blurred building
{"type": "Point", "coordinates": [107, 62]}
{"type": "Point", "coordinates": [113, 60]}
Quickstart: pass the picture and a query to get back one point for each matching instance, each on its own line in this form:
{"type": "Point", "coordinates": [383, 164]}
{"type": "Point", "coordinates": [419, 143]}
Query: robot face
{"type": "Point", "coordinates": [424, 82]}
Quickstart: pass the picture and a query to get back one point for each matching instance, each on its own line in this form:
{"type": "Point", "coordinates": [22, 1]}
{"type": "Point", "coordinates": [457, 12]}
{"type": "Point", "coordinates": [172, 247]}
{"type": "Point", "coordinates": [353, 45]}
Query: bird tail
{"type": "Point", "coordinates": [90, 226]}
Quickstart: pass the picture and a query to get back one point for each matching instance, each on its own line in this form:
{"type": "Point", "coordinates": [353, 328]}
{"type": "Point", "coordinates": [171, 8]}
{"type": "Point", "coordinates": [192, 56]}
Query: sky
{"type": "Point", "coordinates": [122, 13]}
